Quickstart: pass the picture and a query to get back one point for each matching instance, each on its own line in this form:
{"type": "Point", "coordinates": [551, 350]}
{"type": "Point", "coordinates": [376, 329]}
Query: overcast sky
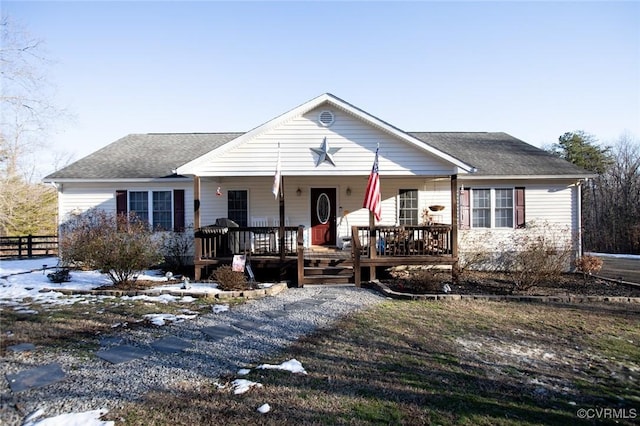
{"type": "Point", "coordinates": [532, 69]}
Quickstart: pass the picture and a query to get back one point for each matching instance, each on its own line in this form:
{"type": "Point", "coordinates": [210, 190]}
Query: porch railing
{"type": "Point", "coordinates": [389, 241]}
{"type": "Point", "coordinates": [218, 242]}
{"type": "Point", "coordinates": [407, 241]}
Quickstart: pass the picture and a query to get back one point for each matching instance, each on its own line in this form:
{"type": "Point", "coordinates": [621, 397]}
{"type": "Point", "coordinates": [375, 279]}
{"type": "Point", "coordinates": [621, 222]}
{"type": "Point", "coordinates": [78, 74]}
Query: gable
{"type": "Point", "coordinates": [351, 145]}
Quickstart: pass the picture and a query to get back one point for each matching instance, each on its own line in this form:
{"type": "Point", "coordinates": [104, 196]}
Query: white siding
{"type": "Point", "coordinates": [354, 140]}
{"type": "Point", "coordinates": [550, 201]}
{"type": "Point", "coordinates": [74, 198]}
{"type": "Point", "coordinates": [546, 202]}
{"type": "Point", "coordinates": [550, 209]}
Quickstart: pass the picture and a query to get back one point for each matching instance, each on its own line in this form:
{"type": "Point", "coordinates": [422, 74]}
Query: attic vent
{"type": "Point", "coordinates": [326, 118]}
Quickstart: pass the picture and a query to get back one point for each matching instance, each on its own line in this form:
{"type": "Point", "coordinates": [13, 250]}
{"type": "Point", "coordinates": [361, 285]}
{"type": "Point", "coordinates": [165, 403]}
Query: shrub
{"type": "Point", "coordinates": [230, 280]}
{"type": "Point", "coordinates": [117, 245]}
{"type": "Point", "coordinates": [425, 281]}
{"type": "Point", "coordinates": [474, 254]}
{"type": "Point", "coordinates": [177, 248]}
{"type": "Point", "coordinates": [542, 254]}
{"type": "Point", "coordinates": [588, 265]}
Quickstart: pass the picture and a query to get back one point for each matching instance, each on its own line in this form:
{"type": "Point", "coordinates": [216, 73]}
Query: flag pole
{"type": "Point", "coordinates": [281, 235]}
{"type": "Point", "coordinates": [281, 213]}
{"type": "Point", "coordinates": [372, 202]}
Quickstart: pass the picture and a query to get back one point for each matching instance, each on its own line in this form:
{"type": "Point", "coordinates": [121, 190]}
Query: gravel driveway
{"type": "Point", "coordinates": [91, 383]}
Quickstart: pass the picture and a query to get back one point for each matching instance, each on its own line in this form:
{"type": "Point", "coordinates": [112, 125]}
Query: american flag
{"type": "Point", "coordinates": [372, 196]}
{"type": "Point", "coordinates": [276, 179]}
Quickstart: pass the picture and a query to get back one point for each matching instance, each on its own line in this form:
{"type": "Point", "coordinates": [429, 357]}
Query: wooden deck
{"type": "Point", "coordinates": [404, 245]}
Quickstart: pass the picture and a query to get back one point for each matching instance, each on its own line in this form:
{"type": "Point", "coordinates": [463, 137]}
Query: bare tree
{"type": "Point", "coordinates": [611, 200]}
{"type": "Point", "coordinates": [26, 117]}
{"type": "Point", "coordinates": [617, 229]}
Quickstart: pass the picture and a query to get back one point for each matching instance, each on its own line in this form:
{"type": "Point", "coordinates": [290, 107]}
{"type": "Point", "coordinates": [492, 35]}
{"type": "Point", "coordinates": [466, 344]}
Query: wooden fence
{"type": "Point", "coordinates": [28, 246]}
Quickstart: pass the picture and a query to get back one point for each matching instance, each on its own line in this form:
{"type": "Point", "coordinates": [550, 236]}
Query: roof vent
{"type": "Point", "coordinates": [326, 118]}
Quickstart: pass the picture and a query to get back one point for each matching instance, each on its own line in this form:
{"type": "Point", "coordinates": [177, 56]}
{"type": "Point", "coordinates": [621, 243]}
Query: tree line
{"type": "Point", "coordinates": [610, 199]}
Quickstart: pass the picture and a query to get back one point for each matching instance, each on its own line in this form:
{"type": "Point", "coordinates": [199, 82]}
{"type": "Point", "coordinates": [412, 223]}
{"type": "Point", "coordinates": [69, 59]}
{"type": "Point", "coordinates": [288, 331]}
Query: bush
{"type": "Point", "coordinates": [177, 248]}
{"type": "Point", "coordinates": [117, 245]}
{"type": "Point", "coordinates": [543, 254]}
{"type": "Point", "coordinates": [588, 265]}
{"type": "Point", "coordinates": [230, 280]}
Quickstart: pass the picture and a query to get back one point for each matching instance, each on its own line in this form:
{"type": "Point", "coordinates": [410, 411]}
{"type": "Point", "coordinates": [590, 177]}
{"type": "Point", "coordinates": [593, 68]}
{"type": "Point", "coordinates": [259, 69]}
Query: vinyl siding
{"type": "Point", "coordinates": [354, 141]}
{"type": "Point", "coordinates": [546, 202]}
{"type": "Point", "coordinates": [79, 197]}
{"type": "Point", "coordinates": [550, 209]}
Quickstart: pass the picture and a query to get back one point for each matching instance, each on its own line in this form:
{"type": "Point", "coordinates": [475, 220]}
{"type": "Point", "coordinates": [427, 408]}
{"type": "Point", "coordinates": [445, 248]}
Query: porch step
{"type": "Point", "coordinates": [328, 274]}
{"type": "Point", "coordinates": [328, 270]}
{"type": "Point", "coordinates": [328, 279]}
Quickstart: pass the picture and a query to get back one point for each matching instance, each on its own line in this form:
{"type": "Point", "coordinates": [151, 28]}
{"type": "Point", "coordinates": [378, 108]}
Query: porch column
{"type": "Point", "coordinates": [196, 225]}
{"type": "Point", "coordinates": [281, 236]}
{"type": "Point", "coordinates": [454, 226]}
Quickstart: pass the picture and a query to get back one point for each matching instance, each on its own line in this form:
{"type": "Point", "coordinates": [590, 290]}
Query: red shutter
{"type": "Point", "coordinates": [520, 218]}
{"type": "Point", "coordinates": [465, 209]}
{"type": "Point", "coordinates": [178, 210]}
{"type": "Point", "coordinates": [121, 202]}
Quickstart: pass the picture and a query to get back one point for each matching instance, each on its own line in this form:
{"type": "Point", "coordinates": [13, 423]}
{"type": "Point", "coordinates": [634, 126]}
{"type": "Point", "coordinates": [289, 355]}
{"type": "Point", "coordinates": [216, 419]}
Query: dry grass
{"type": "Point", "coordinates": [77, 325]}
{"type": "Point", "coordinates": [464, 362]}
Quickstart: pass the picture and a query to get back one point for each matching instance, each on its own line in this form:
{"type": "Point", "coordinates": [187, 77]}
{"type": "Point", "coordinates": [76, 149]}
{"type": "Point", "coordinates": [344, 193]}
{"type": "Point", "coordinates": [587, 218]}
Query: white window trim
{"type": "Point", "coordinates": [150, 204]}
{"type": "Point", "coordinates": [492, 207]}
{"type": "Point", "coordinates": [418, 199]}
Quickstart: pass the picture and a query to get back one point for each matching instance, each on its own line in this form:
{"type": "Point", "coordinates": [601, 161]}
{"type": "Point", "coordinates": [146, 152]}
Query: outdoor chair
{"type": "Point", "coordinates": [289, 243]}
{"type": "Point", "coordinates": [262, 240]}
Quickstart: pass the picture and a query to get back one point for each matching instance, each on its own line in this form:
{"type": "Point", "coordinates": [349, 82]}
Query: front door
{"type": "Point", "coordinates": [323, 216]}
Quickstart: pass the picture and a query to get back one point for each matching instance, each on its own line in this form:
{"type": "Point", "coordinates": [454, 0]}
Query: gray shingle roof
{"type": "Point", "coordinates": [498, 154]}
{"type": "Point", "coordinates": [143, 156]}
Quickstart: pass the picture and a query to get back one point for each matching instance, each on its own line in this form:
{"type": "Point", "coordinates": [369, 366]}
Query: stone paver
{"type": "Point", "coordinates": [22, 347]}
{"type": "Point", "coordinates": [276, 313]}
{"type": "Point", "coordinates": [219, 332]}
{"type": "Point", "coordinates": [122, 353]}
{"type": "Point", "coordinates": [35, 377]}
{"type": "Point", "coordinates": [171, 344]}
{"type": "Point", "coordinates": [303, 304]}
{"type": "Point", "coordinates": [248, 325]}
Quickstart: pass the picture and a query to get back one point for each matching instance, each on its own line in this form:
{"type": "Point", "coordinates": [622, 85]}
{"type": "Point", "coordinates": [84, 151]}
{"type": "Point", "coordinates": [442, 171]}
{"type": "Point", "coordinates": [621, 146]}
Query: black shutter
{"type": "Point", "coordinates": [121, 202]}
{"type": "Point", "coordinates": [520, 218]}
{"type": "Point", "coordinates": [178, 210]}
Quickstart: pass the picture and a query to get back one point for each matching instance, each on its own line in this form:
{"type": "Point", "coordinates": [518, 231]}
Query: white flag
{"type": "Point", "coordinates": [276, 179]}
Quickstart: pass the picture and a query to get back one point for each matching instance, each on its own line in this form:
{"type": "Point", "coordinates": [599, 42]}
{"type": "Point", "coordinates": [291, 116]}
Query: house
{"type": "Point", "coordinates": [444, 195]}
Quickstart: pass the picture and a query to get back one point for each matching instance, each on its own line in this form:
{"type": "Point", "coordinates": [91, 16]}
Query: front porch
{"type": "Point", "coordinates": [282, 248]}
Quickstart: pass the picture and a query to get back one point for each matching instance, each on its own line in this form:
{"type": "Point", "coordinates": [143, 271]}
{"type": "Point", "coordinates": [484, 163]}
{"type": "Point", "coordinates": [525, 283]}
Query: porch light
{"type": "Point", "coordinates": [298, 192]}
{"type": "Point", "coordinates": [348, 191]}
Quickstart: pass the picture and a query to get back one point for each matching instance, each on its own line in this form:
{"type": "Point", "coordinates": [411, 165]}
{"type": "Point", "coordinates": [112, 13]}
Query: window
{"type": "Point", "coordinates": [162, 210]}
{"type": "Point", "coordinates": [408, 207]}
{"type": "Point", "coordinates": [504, 208]}
{"type": "Point", "coordinates": [237, 206]}
{"type": "Point", "coordinates": [167, 207]}
{"type": "Point", "coordinates": [505, 205]}
{"type": "Point", "coordinates": [481, 211]}
{"type": "Point", "coordinates": [139, 204]}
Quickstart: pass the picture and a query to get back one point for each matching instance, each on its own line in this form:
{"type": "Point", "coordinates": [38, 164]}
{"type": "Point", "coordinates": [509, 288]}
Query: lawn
{"type": "Point", "coordinates": [460, 362]}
